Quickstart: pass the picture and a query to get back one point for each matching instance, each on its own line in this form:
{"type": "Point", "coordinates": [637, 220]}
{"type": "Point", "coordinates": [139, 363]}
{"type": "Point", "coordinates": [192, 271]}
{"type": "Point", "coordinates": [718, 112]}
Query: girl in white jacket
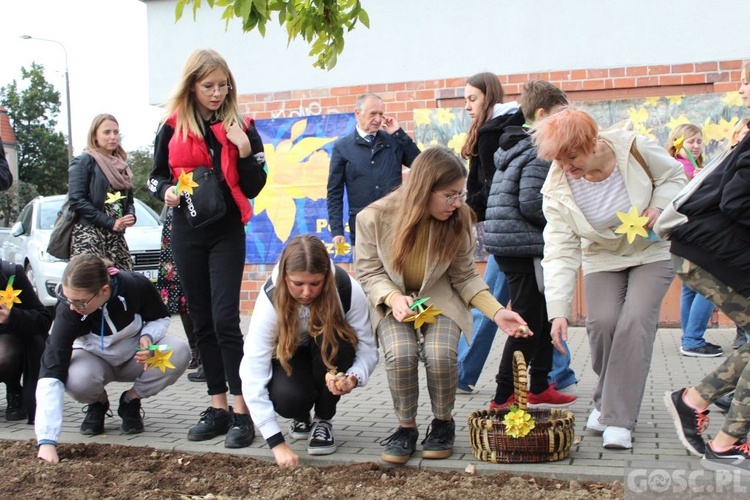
{"type": "Point", "coordinates": [305, 349]}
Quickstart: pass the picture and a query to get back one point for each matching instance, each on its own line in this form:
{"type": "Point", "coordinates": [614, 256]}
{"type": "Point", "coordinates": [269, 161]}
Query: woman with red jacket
{"type": "Point", "coordinates": [204, 128]}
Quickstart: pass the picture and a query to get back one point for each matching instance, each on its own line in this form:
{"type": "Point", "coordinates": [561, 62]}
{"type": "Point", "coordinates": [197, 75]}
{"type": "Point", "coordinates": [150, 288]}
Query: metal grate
{"type": "Point", "coordinates": [148, 259]}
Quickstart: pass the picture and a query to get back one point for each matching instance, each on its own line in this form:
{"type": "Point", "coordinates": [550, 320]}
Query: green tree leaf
{"type": "Point", "coordinates": [315, 21]}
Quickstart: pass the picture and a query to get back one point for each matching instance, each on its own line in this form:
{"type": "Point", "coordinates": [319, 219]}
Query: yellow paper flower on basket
{"type": "Point", "coordinates": [185, 183]}
{"type": "Point", "coordinates": [632, 224]}
{"type": "Point", "coordinates": [114, 197]}
{"type": "Point", "coordinates": [9, 296]}
{"type": "Point", "coordinates": [425, 315]}
{"type": "Point", "coordinates": [342, 248]}
{"type": "Point", "coordinates": [518, 423]}
{"type": "Point", "coordinates": [160, 360]}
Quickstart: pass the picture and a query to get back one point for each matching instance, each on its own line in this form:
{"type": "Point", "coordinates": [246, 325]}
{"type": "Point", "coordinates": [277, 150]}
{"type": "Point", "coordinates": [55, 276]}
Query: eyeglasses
{"type": "Point", "coordinates": [209, 90]}
{"type": "Point", "coordinates": [450, 200]}
{"type": "Point", "coordinates": [75, 303]}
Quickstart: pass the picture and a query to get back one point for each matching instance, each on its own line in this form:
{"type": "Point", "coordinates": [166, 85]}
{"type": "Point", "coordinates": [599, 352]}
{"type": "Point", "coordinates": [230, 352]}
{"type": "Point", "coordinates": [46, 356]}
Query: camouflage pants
{"type": "Point", "coordinates": [734, 373]}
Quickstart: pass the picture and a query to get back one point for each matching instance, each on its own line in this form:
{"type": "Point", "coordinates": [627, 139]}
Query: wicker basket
{"type": "Point", "coordinates": [548, 441]}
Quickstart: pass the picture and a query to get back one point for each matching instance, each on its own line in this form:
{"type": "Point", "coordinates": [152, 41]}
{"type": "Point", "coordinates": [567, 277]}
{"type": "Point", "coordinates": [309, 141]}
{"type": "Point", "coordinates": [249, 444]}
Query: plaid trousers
{"type": "Point", "coordinates": [437, 345]}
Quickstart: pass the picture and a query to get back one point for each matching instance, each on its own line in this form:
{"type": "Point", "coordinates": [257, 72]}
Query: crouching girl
{"type": "Point", "coordinates": [310, 342]}
{"type": "Point", "coordinates": [105, 322]}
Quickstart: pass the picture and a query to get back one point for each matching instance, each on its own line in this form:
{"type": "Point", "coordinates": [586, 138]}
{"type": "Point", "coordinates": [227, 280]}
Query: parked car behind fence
{"type": "Point", "coordinates": [29, 237]}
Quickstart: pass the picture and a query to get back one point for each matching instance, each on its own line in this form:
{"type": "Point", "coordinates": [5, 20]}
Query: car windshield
{"type": "Point", "coordinates": [145, 217]}
{"type": "Point", "coordinates": [48, 214]}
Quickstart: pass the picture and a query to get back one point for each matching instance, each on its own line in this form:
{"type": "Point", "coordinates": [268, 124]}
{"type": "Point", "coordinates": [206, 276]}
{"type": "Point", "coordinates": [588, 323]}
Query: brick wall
{"type": "Point", "coordinates": [402, 98]}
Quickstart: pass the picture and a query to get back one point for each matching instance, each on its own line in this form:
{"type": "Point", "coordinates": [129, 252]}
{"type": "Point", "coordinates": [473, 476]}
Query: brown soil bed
{"type": "Point", "coordinates": [98, 471]}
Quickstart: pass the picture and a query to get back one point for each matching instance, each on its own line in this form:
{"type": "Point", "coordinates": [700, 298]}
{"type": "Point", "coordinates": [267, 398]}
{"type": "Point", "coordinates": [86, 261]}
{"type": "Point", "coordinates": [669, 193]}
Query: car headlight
{"type": "Point", "coordinates": [45, 257]}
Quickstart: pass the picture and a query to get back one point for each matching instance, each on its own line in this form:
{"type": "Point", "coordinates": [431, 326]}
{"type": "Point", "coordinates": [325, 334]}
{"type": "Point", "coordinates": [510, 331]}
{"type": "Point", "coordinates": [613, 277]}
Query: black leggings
{"type": "Point", "coordinates": [294, 395]}
{"type": "Point", "coordinates": [529, 302]}
{"type": "Point", "coordinates": [11, 361]}
{"type": "Point", "coordinates": [211, 261]}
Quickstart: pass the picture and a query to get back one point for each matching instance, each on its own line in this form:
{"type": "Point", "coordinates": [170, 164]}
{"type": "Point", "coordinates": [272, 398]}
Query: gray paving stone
{"type": "Point", "coordinates": [366, 417]}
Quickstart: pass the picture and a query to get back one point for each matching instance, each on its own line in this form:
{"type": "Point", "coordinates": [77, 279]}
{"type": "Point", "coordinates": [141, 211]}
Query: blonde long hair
{"type": "Point", "coordinates": [435, 168]}
{"type": "Point", "coordinates": [326, 325]}
{"type": "Point", "coordinates": [182, 101]}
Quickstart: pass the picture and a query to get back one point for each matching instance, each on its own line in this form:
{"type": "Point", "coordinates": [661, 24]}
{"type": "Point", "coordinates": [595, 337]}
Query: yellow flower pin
{"type": "Point", "coordinates": [678, 144]}
{"type": "Point", "coordinates": [9, 296]}
{"type": "Point", "coordinates": [518, 423]}
{"type": "Point", "coordinates": [160, 360]}
{"type": "Point", "coordinates": [114, 197]}
{"type": "Point", "coordinates": [632, 224]}
{"type": "Point", "coordinates": [185, 183]}
{"type": "Point", "coordinates": [342, 248]}
{"type": "Point", "coordinates": [424, 316]}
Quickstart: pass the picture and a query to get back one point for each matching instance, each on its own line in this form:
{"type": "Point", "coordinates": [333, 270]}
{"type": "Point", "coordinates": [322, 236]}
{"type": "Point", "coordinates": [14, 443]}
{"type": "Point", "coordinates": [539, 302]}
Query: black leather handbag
{"type": "Point", "coordinates": [206, 204]}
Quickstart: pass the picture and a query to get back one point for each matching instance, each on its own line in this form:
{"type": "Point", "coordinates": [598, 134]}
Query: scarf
{"type": "Point", "coordinates": [115, 169]}
{"type": "Point", "coordinates": [192, 153]}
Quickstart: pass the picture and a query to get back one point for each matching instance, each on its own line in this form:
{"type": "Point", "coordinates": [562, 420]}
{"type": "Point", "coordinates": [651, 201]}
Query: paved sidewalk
{"type": "Point", "coordinates": [365, 417]}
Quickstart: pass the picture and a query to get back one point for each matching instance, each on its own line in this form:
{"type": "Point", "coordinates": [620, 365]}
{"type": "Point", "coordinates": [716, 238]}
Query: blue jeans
{"type": "Point", "coordinates": [471, 359]}
{"type": "Point", "coordinates": [562, 374]}
{"type": "Point", "coordinates": [695, 312]}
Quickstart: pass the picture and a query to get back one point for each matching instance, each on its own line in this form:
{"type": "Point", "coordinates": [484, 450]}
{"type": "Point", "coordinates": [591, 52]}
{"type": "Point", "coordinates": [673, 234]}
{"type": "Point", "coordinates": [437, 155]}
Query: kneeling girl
{"type": "Point", "coordinates": [105, 322]}
{"type": "Point", "coordinates": [300, 331]}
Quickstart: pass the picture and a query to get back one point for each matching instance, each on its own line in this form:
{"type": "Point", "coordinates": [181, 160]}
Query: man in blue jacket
{"type": "Point", "coordinates": [368, 162]}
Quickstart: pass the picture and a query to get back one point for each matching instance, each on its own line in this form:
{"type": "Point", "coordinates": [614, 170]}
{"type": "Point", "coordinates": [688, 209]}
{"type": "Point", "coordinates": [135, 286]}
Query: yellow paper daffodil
{"type": "Point", "coordinates": [632, 224]}
{"type": "Point", "coordinates": [424, 316]}
{"type": "Point", "coordinates": [678, 144]}
{"type": "Point", "coordinates": [518, 423]}
{"type": "Point", "coordinates": [160, 360]}
{"type": "Point", "coordinates": [9, 296]}
{"type": "Point", "coordinates": [114, 197]}
{"type": "Point", "coordinates": [185, 183]}
{"type": "Point", "coordinates": [342, 248]}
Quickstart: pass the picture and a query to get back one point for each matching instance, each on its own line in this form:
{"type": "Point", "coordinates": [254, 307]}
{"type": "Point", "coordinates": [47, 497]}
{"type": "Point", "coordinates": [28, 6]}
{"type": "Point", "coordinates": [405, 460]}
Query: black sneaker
{"type": "Point", "coordinates": [689, 423]}
{"type": "Point", "coordinates": [213, 422]}
{"type": "Point", "coordinates": [300, 429]}
{"type": "Point", "coordinates": [704, 351]}
{"type": "Point", "coordinates": [724, 402]}
{"type": "Point", "coordinates": [131, 414]}
{"type": "Point", "coordinates": [198, 375]}
{"type": "Point", "coordinates": [321, 440]}
{"type": "Point", "coordinates": [439, 440]}
{"type": "Point", "coordinates": [241, 431]}
{"type": "Point", "coordinates": [736, 458]}
{"type": "Point", "coordinates": [15, 410]}
{"type": "Point", "coordinates": [400, 445]}
{"type": "Point", "coordinates": [93, 422]}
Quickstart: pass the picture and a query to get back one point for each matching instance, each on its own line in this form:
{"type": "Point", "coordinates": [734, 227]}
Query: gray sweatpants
{"type": "Point", "coordinates": [623, 316]}
{"type": "Point", "coordinates": [88, 374]}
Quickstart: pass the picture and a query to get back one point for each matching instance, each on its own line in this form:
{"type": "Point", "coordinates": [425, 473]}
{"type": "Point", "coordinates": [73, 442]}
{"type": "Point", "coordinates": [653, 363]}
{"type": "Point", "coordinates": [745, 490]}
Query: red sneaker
{"type": "Point", "coordinates": [550, 398]}
{"type": "Point", "coordinates": [497, 406]}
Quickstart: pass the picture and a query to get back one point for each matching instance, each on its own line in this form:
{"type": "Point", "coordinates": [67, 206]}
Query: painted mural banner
{"type": "Point", "coordinates": [654, 117]}
{"type": "Point", "coordinates": [298, 152]}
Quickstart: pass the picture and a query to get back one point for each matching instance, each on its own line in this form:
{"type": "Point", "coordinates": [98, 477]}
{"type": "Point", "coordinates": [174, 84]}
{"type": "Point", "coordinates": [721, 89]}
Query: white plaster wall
{"type": "Point", "coordinates": [429, 39]}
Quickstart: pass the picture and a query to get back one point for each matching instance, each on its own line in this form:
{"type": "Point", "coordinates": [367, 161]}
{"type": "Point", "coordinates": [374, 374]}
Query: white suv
{"type": "Point", "coordinates": [28, 239]}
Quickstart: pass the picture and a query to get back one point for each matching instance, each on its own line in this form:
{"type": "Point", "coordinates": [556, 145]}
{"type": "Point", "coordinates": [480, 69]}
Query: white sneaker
{"type": "Point", "coordinates": [592, 424]}
{"type": "Point", "coordinates": [616, 438]}
{"type": "Point", "coordinates": [571, 390]}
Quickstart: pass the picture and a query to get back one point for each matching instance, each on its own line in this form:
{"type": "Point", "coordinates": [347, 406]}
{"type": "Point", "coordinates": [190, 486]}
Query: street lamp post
{"type": "Point", "coordinates": [67, 91]}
